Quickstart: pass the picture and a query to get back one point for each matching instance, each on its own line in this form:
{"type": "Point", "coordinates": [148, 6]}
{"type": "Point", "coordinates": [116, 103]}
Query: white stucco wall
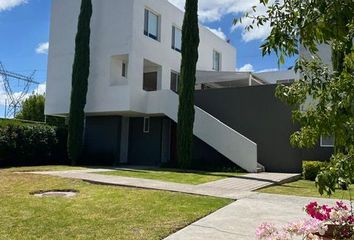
{"type": "Point", "coordinates": [117, 28]}
{"type": "Point", "coordinates": [324, 52]}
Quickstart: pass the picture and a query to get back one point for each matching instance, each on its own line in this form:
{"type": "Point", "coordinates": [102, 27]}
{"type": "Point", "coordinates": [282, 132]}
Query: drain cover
{"type": "Point", "coordinates": [55, 193]}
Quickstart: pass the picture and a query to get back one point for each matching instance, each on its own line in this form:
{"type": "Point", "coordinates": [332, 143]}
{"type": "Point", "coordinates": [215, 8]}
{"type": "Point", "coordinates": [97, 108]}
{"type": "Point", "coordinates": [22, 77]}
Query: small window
{"type": "Point", "coordinates": [174, 81]}
{"type": "Point", "coordinates": [216, 61]}
{"type": "Point", "coordinates": [124, 69]}
{"type": "Point", "coordinates": [327, 141]}
{"type": "Point", "coordinates": [176, 39]}
{"type": "Point", "coordinates": [150, 82]}
{"type": "Point", "coordinates": [151, 25]}
{"type": "Point", "coordinates": [146, 125]}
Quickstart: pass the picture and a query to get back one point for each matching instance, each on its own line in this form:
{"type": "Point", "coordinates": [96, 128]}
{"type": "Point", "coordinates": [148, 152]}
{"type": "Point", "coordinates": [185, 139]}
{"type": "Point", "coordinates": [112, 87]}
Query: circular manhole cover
{"type": "Point", "coordinates": [55, 193]}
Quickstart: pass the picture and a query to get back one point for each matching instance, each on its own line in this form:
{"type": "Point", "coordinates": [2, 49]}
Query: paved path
{"type": "Point", "coordinates": [232, 188]}
{"type": "Point", "coordinates": [239, 220]}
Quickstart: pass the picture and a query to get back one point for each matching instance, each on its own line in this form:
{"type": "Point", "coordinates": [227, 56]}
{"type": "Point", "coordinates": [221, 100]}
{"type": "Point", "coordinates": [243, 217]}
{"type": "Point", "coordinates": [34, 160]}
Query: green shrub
{"type": "Point", "coordinates": [31, 144]}
{"type": "Point", "coordinates": [311, 169]}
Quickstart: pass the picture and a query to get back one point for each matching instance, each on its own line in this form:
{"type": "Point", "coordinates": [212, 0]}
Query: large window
{"type": "Point", "coordinates": [216, 61]}
{"type": "Point", "coordinates": [152, 25]}
{"type": "Point", "coordinates": [176, 39]}
{"type": "Point", "coordinates": [174, 81]}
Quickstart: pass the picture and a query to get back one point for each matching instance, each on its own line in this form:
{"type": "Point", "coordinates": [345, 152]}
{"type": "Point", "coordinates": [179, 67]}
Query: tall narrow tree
{"type": "Point", "coordinates": [80, 74]}
{"type": "Point", "coordinates": [190, 44]}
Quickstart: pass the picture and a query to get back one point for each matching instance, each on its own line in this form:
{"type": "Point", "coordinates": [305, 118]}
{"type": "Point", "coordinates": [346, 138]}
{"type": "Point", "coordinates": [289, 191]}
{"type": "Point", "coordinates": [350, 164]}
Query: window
{"type": "Point", "coordinates": [146, 125]}
{"type": "Point", "coordinates": [150, 82]}
{"type": "Point", "coordinates": [151, 25]}
{"type": "Point", "coordinates": [124, 69]}
{"type": "Point", "coordinates": [174, 81]}
{"type": "Point", "coordinates": [176, 39]}
{"type": "Point", "coordinates": [216, 61]}
{"type": "Point", "coordinates": [327, 141]}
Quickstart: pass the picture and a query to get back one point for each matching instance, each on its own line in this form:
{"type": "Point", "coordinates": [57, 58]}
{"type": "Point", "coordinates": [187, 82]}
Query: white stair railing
{"type": "Point", "coordinates": [233, 145]}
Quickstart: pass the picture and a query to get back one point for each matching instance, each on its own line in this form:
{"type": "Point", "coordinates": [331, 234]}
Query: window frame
{"type": "Point", "coordinates": [219, 60]}
{"type": "Point", "coordinates": [177, 80]}
{"type": "Point", "coordinates": [147, 33]}
{"type": "Point", "coordinates": [146, 125]}
{"type": "Point", "coordinates": [173, 44]}
{"type": "Point", "coordinates": [326, 145]}
{"type": "Point", "coordinates": [124, 69]}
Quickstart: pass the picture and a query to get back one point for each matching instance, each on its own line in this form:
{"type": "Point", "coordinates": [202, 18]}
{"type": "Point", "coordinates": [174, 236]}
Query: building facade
{"type": "Point", "coordinates": [132, 102]}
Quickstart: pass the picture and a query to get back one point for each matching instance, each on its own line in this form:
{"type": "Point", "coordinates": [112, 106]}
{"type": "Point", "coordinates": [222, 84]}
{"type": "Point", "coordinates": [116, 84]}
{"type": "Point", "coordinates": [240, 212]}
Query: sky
{"type": "Point", "coordinates": [24, 36]}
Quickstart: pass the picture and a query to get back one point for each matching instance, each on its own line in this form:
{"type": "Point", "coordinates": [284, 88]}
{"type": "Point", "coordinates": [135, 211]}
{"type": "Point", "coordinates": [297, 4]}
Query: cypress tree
{"type": "Point", "coordinates": [80, 74]}
{"type": "Point", "coordinates": [190, 44]}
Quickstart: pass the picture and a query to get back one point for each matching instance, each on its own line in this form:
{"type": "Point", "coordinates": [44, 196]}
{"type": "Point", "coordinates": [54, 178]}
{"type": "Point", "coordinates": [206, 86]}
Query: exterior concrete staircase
{"type": "Point", "coordinates": [236, 147]}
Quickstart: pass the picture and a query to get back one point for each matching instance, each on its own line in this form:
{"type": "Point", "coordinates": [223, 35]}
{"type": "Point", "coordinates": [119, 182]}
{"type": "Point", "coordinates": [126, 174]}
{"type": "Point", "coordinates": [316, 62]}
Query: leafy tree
{"type": "Point", "coordinates": [32, 109]}
{"type": "Point", "coordinates": [309, 23]}
{"type": "Point", "coordinates": [80, 74]}
{"type": "Point", "coordinates": [190, 43]}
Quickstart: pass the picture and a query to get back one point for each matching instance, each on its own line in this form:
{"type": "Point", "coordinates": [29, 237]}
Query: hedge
{"type": "Point", "coordinates": [311, 169]}
{"type": "Point", "coordinates": [24, 144]}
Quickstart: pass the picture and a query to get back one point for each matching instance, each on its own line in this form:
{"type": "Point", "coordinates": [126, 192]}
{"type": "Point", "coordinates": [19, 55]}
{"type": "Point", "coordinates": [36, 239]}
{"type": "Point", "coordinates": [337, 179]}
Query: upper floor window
{"type": "Point", "coordinates": [216, 61]}
{"type": "Point", "coordinates": [176, 39]}
{"type": "Point", "coordinates": [151, 25]}
{"type": "Point", "coordinates": [124, 69]}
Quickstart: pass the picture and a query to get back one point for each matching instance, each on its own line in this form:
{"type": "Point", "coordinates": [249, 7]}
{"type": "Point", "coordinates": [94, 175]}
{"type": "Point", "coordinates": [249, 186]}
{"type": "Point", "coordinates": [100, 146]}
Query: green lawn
{"type": "Point", "coordinates": [303, 188]}
{"type": "Point", "coordinates": [173, 175]}
{"type": "Point", "coordinates": [98, 212]}
{"type": "Point", "coordinates": [44, 168]}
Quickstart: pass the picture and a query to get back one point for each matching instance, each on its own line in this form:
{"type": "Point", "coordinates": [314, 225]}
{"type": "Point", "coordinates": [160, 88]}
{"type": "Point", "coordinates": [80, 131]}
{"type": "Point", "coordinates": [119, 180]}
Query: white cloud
{"type": "Point", "coordinates": [9, 4]}
{"type": "Point", "coordinates": [42, 48]}
{"type": "Point", "coordinates": [40, 89]}
{"type": "Point", "coordinates": [214, 10]}
{"type": "Point", "coordinates": [246, 68]}
{"type": "Point", "coordinates": [218, 32]}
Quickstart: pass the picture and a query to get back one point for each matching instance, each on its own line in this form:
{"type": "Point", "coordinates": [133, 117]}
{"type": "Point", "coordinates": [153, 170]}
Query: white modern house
{"type": "Point", "coordinates": [135, 59]}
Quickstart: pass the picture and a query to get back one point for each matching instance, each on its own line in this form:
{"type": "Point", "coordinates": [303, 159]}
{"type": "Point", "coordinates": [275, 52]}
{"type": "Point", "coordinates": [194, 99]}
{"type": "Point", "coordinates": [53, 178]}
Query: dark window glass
{"type": "Point", "coordinates": [174, 81]}
{"type": "Point", "coordinates": [150, 81]}
{"type": "Point", "coordinates": [146, 125]}
{"type": "Point", "coordinates": [124, 69]}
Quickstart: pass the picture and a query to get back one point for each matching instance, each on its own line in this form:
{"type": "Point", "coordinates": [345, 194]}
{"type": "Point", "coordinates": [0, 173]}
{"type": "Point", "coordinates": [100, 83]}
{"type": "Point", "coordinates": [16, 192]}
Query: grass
{"type": "Point", "coordinates": [43, 168]}
{"type": "Point", "coordinates": [98, 212]}
{"type": "Point", "coordinates": [303, 188]}
{"type": "Point", "coordinates": [173, 175]}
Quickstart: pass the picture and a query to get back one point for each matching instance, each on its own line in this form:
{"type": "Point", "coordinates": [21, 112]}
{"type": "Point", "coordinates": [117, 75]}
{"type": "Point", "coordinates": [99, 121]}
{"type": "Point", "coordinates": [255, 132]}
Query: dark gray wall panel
{"type": "Point", "coordinates": [102, 140]}
{"type": "Point", "coordinates": [204, 157]}
{"type": "Point", "coordinates": [145, 148]}
{"type": "Point", "coordinates": [256, 113]}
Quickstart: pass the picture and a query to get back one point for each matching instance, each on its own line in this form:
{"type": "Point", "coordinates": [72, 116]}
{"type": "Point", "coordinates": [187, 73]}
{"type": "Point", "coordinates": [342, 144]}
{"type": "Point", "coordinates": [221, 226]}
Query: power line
{"type": "Point", "coordinates": [15, 98]}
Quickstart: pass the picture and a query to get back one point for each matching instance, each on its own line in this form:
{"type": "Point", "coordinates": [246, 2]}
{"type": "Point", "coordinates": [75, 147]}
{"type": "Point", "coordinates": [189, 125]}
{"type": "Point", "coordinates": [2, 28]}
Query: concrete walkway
{"type": "Point", "coordinates": [232, 188]}
{"type": "Point", "coordinates": [239, 220]}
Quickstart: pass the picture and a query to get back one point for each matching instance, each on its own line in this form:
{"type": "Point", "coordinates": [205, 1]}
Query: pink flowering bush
{"type": "Point", "coordinates": [333, 222]}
